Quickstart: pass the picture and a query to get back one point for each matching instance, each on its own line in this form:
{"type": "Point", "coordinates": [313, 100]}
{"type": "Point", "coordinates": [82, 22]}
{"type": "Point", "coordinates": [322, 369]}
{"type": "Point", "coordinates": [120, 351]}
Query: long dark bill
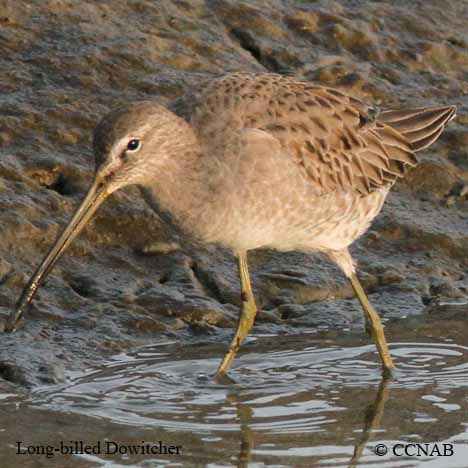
{"type": "Point", "coordinates": [97, 193]}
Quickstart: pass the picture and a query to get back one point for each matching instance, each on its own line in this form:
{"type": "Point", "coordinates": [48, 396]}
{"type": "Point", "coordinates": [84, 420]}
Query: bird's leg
{"type": "Point", "coordinates": [373, 325]}
{"type": "Point", "coordinates": [246, 317]}
{"type": "Point", "coordinates": [367, 325]}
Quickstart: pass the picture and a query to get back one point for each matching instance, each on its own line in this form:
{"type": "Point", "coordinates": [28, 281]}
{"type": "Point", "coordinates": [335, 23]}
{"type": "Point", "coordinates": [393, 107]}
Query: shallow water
{"type": "Point", "coordinates": [297, 400]}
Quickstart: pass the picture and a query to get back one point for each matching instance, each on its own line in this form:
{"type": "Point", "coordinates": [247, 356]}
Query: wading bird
{"type": "Point", "coordinates": [258, 161]}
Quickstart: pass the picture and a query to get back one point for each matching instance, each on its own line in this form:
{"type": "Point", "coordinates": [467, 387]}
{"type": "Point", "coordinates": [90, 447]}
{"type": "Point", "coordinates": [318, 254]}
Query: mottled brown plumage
{"type": "Point", "coordinates": [258, 161]}
{"type": "Point", "coordinates": [335, 137]}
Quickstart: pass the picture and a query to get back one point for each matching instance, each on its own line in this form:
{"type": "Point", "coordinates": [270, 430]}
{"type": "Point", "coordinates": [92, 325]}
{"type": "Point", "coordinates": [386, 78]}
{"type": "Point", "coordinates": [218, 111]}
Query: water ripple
{"type": "Point", "coordinates": [286, 390]}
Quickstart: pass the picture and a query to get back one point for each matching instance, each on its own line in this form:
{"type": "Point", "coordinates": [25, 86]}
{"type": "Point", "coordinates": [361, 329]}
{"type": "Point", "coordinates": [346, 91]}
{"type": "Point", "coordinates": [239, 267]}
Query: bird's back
{"type": "Point", "coordinates": [348, 154]}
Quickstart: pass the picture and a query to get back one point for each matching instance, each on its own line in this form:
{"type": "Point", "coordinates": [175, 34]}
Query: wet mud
{"type": "Point", "coordinates": [299, 400]}
{"type": "Point", "coordinates": [64, 64]}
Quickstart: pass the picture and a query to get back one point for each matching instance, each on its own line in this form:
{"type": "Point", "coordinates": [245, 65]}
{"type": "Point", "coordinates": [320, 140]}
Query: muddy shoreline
{"type": "Point", "coordinates": [65, 64]}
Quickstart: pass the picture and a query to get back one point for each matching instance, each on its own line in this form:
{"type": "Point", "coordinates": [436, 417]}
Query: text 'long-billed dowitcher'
{"type": "Point", "coordinates": [258, 161]}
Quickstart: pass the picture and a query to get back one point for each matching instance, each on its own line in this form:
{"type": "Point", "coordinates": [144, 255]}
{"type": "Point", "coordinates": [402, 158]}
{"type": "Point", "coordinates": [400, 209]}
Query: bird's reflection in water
{"type": "Point", "coordinates": [244, 413]}
{"type": "Point", "coordinates": [372, 417]}
{"type": "Point", "coordinates": [244, 416]}
{"type": "Point", "coordinates": [373, 414]}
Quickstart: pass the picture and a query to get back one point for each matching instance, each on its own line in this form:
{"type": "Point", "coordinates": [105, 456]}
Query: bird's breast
{"type": "Point", "coordinates": [254, 206]}
{"type": "Point", "coordinates": [296, 221]}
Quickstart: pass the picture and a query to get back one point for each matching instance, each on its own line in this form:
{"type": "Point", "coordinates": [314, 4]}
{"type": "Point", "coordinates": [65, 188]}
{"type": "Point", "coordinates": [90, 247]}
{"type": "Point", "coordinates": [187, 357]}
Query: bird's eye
{"type": "Point", "coordinates": [133, 145]}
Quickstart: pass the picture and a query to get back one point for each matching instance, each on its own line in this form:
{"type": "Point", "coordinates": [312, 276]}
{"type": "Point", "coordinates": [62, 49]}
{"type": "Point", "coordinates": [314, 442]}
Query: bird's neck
{"type": "Point", "coordinates": [180, 193]}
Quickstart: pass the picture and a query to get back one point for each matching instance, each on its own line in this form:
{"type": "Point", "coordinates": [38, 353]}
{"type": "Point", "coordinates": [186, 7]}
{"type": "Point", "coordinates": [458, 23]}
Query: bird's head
{"type": "Point", "coordinates": [132, 145]}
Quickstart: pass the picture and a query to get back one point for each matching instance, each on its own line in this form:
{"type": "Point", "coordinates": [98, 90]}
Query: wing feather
{"type": "Point", "coordinates": [420, 126]}
{"type": "Point", "coordinates": [338, 140]}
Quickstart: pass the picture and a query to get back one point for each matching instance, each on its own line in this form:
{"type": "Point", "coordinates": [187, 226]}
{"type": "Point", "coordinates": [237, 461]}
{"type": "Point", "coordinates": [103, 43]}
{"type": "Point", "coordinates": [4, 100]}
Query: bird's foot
{"type": "Point", "coordinates": [224, 379]}
{"type": "Point", "coordinates": [391, 373]}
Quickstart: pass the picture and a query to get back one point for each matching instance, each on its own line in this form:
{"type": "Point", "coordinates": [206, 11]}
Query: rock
{"type": "Point", "coordinates": [73, 61]}
{"type": "Point", "coordinates": [436, 177]}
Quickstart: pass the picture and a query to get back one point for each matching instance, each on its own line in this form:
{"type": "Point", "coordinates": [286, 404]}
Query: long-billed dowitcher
{"type": "Point", "coordinates": [258, 161]}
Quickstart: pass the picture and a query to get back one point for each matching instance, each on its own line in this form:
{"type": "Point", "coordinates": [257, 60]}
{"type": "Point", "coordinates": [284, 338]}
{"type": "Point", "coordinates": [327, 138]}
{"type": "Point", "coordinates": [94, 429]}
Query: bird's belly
{"type": "Point", "coordinates": [258, 212]}
{"type": "Point", "coordinates": [322, 222]}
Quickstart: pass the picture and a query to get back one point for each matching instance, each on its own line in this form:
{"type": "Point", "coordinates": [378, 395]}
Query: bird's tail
{"type": "Point", "coordinates": [421, 126]}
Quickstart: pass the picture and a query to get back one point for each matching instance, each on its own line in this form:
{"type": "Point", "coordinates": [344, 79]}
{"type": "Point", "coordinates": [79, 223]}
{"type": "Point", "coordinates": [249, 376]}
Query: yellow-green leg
{"type": "Point", "coordinates": [374, 325]}
{"type": "Point", "coordinates": [246, 317]}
